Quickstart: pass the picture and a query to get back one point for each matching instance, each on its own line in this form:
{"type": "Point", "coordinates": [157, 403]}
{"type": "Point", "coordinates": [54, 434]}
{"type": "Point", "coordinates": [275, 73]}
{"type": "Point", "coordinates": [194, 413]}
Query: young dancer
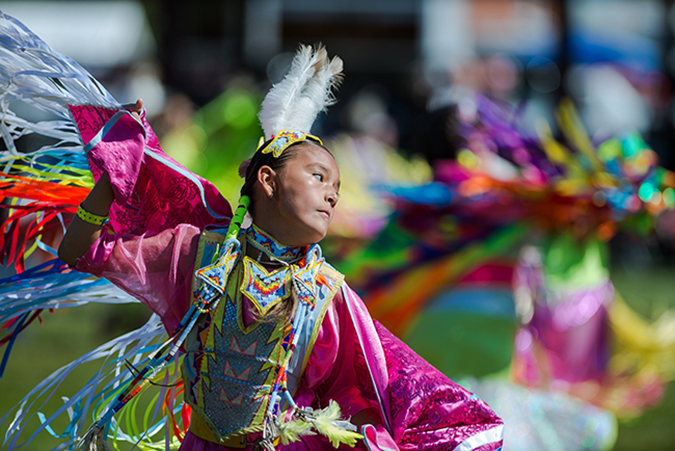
{"type": "Point", "coordinates": [277, 351]}
{"type": "Point", "coordinates": [282, 332]}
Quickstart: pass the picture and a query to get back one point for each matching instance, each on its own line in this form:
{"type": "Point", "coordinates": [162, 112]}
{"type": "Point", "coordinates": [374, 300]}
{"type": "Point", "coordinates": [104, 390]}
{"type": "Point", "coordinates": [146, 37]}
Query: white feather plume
{"type": "Point", "coordinates": [295, 102]}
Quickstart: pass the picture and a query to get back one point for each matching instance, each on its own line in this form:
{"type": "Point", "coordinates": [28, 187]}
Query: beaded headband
{"type": "Point", "coordinates": [284, 139]}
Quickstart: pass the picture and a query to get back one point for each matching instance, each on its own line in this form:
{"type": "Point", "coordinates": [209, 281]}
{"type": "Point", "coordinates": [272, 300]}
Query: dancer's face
{"type": "Point", "coordinates": [305, 192]}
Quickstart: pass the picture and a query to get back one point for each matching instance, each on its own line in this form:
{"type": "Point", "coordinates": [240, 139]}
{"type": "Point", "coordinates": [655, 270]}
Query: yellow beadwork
{"type": "Point", "coordinates": [286, 138]}
{"type": "Point", "coordinates": [90, 217]}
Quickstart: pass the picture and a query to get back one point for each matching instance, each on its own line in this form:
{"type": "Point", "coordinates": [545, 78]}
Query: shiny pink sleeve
{"type": "Point", "coordinates": [330, 372]}
{"type": "Point", "coordinates": [156, 269]}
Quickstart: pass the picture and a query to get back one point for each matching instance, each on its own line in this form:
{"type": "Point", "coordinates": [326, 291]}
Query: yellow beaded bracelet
{"type": "Point", "coordinates": [90, 217]}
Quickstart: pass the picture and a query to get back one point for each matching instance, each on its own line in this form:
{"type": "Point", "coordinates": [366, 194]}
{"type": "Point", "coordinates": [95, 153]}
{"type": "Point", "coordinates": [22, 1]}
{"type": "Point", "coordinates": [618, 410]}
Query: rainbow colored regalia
{"type": "Point", "coordinates": [163, 227]}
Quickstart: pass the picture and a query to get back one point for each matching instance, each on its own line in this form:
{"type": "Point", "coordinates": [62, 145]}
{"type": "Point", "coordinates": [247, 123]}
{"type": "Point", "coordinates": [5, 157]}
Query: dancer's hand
{"type": "Point", "coordinates": [136, 112]}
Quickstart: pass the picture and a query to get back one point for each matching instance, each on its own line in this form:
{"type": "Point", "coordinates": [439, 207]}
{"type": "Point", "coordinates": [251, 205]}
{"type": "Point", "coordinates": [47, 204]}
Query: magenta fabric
{"type": "Point", "coordinates": [574, 335]}
{"type": "Point", "coordinates": [157, 215]}
{"type": "Point", "coordinates": [155, 268]}
{"type": "Point", "coordinates": [152, 191]}
{"type": "Point", "coordinates": [571, 326]}
{"type": "Point", "coordinates": [376, 438]}
{"type": "Point", "coordinates": [115, 155]}
{"type": "Point", "coordinates": [428, 410]}
{"type": "Point", "coordinates": [422, 408]}
{"type": "Point", "coordinates": [149, 250]}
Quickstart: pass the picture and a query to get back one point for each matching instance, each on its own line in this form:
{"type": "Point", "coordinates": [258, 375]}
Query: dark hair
{"type": "Point", "coordinates": [259, 160]}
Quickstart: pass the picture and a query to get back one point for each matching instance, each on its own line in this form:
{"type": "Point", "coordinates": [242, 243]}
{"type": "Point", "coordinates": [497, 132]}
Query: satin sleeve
{"type": "Point", "coordinates": [330, 372]}
{"type": "Point", "coordinates": [154, 268]}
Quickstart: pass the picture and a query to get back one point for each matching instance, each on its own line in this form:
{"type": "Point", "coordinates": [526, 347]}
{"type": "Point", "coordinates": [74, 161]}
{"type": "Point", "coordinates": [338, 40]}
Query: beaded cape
{"type": "Point", "coordinates": [230, 366]}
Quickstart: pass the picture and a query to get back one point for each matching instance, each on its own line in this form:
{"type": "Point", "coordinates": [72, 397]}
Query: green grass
{"type": "Point", "coordinates": [649, 292]}
{"type": "Point", "coordinates": [477, 354]}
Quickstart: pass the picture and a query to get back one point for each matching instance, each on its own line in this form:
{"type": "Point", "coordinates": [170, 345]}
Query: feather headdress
{"type": "Point", "coordinates": [295, 102]}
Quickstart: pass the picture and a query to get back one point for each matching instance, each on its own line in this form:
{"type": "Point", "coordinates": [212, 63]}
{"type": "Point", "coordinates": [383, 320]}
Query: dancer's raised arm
{"type": "Point", "coordinates": [82, 233]}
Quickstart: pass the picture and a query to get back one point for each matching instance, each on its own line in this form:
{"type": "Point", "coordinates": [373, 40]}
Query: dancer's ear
{"type": "Point", "coordinates": [267, 177]}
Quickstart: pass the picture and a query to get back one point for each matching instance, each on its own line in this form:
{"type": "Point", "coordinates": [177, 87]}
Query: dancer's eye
{"type": "Point", "coordinates": [319, 176]}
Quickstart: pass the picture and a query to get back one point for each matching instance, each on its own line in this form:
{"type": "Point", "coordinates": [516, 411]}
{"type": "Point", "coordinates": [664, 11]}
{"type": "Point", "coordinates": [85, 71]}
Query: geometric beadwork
{"type": "Point", "coordinates": [267, 244]}
{"type": "Point", "coordinates": [265, 289]}
{"type": "Point", "coordinates": [230, 372]}
{"type": "Point", "coordinates": [286, 138]}
{"type": "Point", "coordinates": [306, 277]}
{"type": "Point", "coordinates": [217, 273]}
{"type": "Point", "coordinates": [234, 347]}
{"type": "Point", "coordinates": [241, 371]}
{"type": "Point", "coordinates": [237, 401]}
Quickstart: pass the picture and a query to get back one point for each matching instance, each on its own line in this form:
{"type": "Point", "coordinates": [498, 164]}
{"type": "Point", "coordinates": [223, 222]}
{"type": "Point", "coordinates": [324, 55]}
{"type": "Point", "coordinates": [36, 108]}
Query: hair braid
{"type": "Point", "coordinates": [238, 218]}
